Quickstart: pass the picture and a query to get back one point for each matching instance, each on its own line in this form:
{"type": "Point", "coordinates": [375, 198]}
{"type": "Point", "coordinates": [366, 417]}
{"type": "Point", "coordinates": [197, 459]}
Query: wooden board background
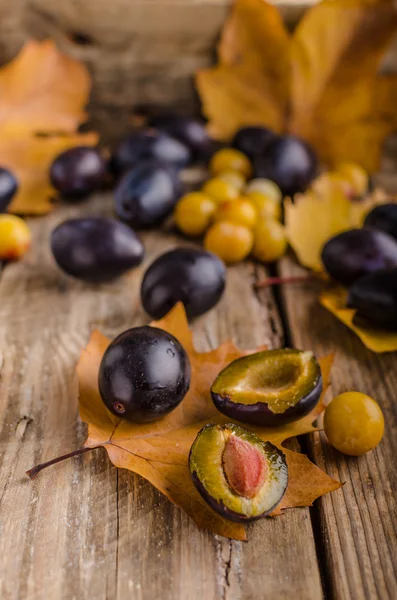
{"type": "Point", "coordinates": [85, 530]}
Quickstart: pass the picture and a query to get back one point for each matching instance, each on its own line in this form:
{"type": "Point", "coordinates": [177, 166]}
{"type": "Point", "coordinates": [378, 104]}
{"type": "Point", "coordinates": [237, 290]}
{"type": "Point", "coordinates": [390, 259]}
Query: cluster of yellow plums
{"type": "Point", "coordinates": [237, 217]}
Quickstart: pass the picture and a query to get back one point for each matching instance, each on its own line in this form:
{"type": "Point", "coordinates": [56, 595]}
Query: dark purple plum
{"type": "Point", "coordinates": [253, 140]}
{"type": "Point", "coordinates": [269, 388]}
{"type": "Point", "coordinates": [144, 374]}
{"type": "Point", "coordinates": [358, 252]}
{"type": "Point", "coordinates": [375, 298]}
{"type": "Point", "coordinates": [194, 277]}
{"type": "Point", "coordinates": [190, 131]}
{"type": "Point", "coordinates": [241, 477]}
{"type": "Point", "coordinates": [96, 249]}
{"type": "Point", "coordinates": [8, 188]}
{"type": "Point", "coordinates": [384, 218]}
{"type": "Point", "coordinates": [149, 145]}
{"type": "Point", "coordinates": [78, 172]}
{"type": "Point", "coordinates": [288, 161]}
{"type": "Point", "coordinates": [146, 195]}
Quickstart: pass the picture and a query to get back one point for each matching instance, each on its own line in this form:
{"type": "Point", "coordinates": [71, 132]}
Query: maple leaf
{"type": "Point", "coordinates": [159, 451]}
{"type": "Point", "coordinates": [321, 82]}
{"type": "Point", "coordinates": [331, 210]}
{"type": "Point", "coordinates": [42, 99]}
{"type": "Point", "coordinates": [375, 339]}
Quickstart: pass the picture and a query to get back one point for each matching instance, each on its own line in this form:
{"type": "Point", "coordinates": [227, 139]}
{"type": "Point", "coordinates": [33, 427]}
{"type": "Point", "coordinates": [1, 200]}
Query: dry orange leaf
{"type": "Point", "coordinates": [319, 214]}
{"type": "Point", "coordinates": [322, 82]}
{"type": "Point", "coordinates": [42, 98]}
{"type": "Point", "coordinates": [159, 451]}
{"type": "Point", "coordinates": [377, 340]}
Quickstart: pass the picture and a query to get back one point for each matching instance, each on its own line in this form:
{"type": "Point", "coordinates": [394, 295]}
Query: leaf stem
{"type": "Point", "coordinates": [269, 281]}
{"type": "Point", "coordinates": [36, 470]}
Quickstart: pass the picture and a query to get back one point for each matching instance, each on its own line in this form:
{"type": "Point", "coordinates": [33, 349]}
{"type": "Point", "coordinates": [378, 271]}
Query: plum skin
{"type": "Point", "coordinates": [253, 140]}
{"type": "Point", "coordinates": [8, 188]}
{"type": "Point", "coordinates": [156, 367]}
{"type": "Point", "coordinates": [146, 195]}
{"type": "Point", "coordinates": [260, 413]}
{"type": "Point", "coordinates": [77, 172]}
{"type": "Point", "coordinates": [288, 161]}
{"type": "Point", "coordinates": [374, 297]}
{"type": "Point", "coordinates": [384, 218]}
{"type": "Point", "coordinates": [194, 277]}
{"type": "Point", "coordinates": [149, 145]}
{"type": "Point", "coordinates": [95, 249]}
{"type": "Point", "coordinates": [355, 253]}
{"type": "Point", "coordinates": [188, 130]}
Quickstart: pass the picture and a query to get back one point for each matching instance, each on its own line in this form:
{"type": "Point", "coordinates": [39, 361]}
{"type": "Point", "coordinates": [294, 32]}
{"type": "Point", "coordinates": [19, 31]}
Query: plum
{"type": "Point", "coordinates": [144, 374]}
{"type": "Point", "coordinates": [240, 476]}
{"type": "Point", "coordinates": [8, 188]}
{"type": "Point", "coordinates": [270, 388]}
{"type": "Point", "coordinates": [375, 298]}
{"type": "Point", "coordinates": [95, 249]}
{"type": "Point", "coordinates": [358, 252]}
{"type": "Point", "coordinates": [149, 145]}
{"type": "Point", "coordinates": [146, 195]}
{"type": "Point", "coordinates": [189, 131]}
{"type": "Point", "coordinates": [288, 161]}
{"type": "Point", "coordinates": [384, 218]}
{"type": "Point", "coordinates": [78, 172]}
{"type": "Point", "coordinates": [188, 275]}
{"type": "Point", "coordinates": [253, 141]}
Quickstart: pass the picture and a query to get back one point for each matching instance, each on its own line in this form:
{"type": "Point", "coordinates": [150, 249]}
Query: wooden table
{"type": "Point", "coordinates": [84, 530]}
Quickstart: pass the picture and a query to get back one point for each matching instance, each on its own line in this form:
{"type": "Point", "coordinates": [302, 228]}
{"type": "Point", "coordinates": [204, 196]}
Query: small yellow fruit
{"type": "Point", "coordinates": [356, 176]}
{"type": "Point", "coordinates": [15, 237]}
{"type": "Point", "coordinates": [354, 423]}
{"type": "Point", "coordinates": [194, 213]}
{"type": "Point", "coordinates": [270, 242]}
{"type": "Point", "coordinates": [265, 205]}
{"type": "Point", "coordinates": [265, 186]}
{"type": "Point", "coordinates": [220, 190]}
{"type": "Point", "coordinates": [230, 241]}
{"type": "Point", "coordinates": [234, 178]}
{"type": "Point", "coordinates": [230, 159]}
{"type": "Point", "coordinates": [239, 211]}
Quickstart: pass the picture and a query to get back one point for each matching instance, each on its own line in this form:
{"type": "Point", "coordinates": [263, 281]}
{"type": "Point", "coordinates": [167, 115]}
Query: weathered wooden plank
{"type": "Point", "coordinates": [358, 522]}
{"type": "Point", "coordinates": [83, 529]}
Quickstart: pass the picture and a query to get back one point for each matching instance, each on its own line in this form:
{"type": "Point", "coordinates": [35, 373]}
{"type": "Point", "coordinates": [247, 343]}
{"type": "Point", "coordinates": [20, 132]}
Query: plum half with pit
{"type": "Point", "coordinates": [358, 252]}
{"type": "Point", "coordinates": [144, 374]}
{"type": "Point", "coordinates": [269, 388]}
{"type": "Point", "coordinates": [240, 476]}
{"type": "Point", "coordinates": [194, 277]}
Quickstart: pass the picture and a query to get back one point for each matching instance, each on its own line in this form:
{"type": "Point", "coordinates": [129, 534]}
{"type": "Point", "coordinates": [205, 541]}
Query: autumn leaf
{"type": "Point", "coordinates": [159, 451]}
{"type": "Point", "coordinates": [42, 99]}
{"type": "Point", "coordinates": [321, 82]}
{"type": "Point", "coordinates": [321, 213]}
{"type": "Point", "coordinates": [375, 339]}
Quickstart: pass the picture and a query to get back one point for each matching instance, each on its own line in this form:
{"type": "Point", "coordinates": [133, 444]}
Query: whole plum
{"type": "Point", "coordinates": [358, 252]}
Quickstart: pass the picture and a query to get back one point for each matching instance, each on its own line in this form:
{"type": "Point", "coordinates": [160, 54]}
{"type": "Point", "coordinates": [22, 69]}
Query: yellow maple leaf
{"type": "Point", "coordinates": [321, 213]}
{"type": "Point", "coordinates": [375, 339]}
{"type": "Point", "coordinates": [321, 82]}
{"type": "Point", "coordinates": [42, 98]}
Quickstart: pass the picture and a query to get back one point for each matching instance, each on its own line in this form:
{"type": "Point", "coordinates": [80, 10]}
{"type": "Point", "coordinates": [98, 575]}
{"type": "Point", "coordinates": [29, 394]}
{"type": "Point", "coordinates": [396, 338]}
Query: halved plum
{"type": "Point", "coordinates": [240, 476]}
{"type": "Point", "coordinates": [270, 388]}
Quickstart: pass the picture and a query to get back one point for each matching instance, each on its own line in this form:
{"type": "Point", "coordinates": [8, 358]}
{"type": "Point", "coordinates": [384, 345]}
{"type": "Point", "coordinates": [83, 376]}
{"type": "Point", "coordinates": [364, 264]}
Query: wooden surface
{"type": "Point", "coordinates": [85, 530]}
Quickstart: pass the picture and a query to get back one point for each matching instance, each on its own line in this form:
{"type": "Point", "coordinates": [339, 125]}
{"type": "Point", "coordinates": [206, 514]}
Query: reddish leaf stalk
{"type": "Point", "coordinates": [36, 470]}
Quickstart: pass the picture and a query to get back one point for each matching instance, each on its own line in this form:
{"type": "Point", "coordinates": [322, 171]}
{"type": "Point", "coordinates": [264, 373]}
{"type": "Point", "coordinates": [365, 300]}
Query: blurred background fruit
{"type": "Point", "coordinates": [15, 237]}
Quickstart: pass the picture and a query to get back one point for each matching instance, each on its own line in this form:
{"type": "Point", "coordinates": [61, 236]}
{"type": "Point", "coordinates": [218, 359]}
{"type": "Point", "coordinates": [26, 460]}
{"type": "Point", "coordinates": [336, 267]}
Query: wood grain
{"type": "Point", "coordinates": [83, 529]}
{"type": "Point", "coordinates": [356, 525]}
